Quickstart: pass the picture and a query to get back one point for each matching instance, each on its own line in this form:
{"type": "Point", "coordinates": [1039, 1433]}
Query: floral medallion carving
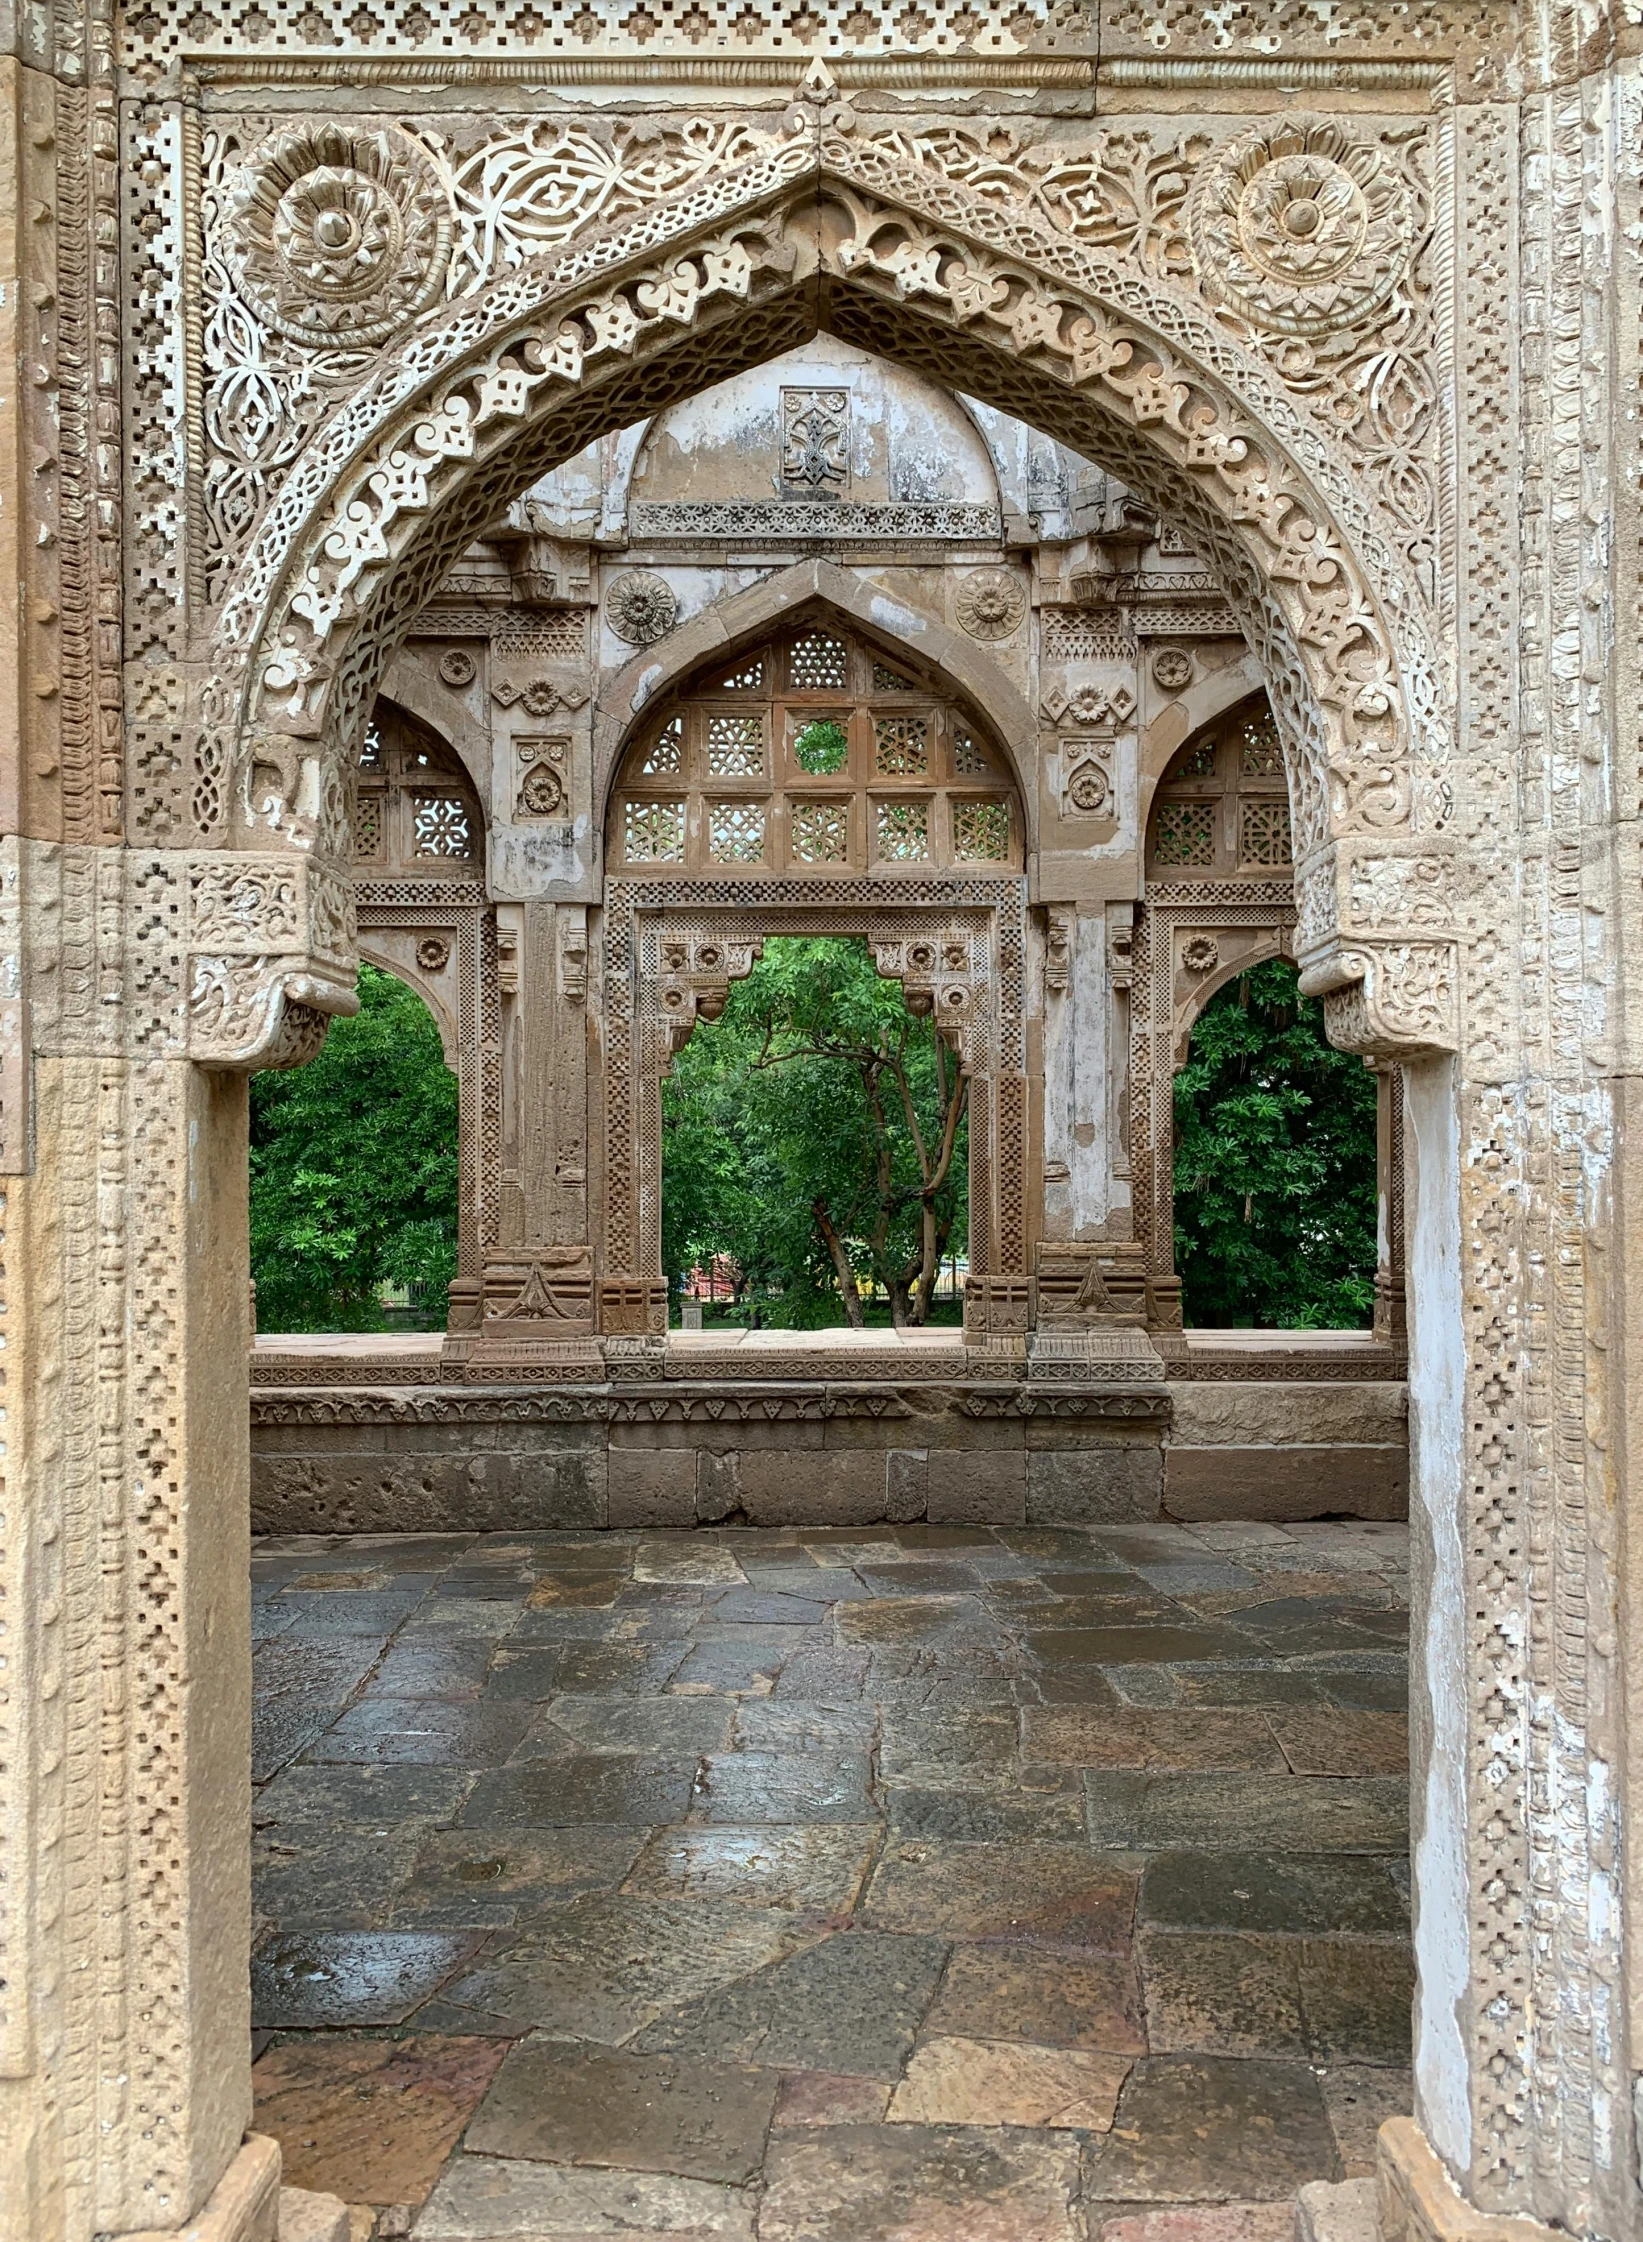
{"type": "Point", "coordinates": [1089, 791]}
{"type": "Point", "coordinates": [541, 792]}
{"type": "Point", "coordinates": [990, 604]}
{"type": "Point", "coordinates": [458, 668]}
{"type": "Point", "coordinates": [1301, 228]}
{"type": "Point", "coordinates": [338, 236]}
{"type": "Point", "coordinates": [1202, 954]}
{"type": "Point", "coordinates": [433, 953]}
{"type": "Point", "coordinates": [1172, 669]}
{"type": "Point", "coordinates": [641, 608]}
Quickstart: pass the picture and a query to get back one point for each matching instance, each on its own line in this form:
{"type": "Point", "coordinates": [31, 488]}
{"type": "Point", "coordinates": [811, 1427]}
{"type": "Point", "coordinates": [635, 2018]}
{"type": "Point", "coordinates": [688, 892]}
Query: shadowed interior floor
{"type": "Point", "coordinates": [832, 1886]}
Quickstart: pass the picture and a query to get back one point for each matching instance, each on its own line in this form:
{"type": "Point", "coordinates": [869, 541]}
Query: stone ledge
{"type": "Point", "coordinates": [244, 2206]}
{"type": "Point", "coordinates": [1419, 2202]}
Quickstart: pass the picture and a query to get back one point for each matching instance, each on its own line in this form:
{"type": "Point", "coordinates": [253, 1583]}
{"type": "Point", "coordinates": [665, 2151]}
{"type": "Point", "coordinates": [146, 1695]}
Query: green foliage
{"type": "Point", "coordinates": [815, 1135]}
{"type": "Point", "coordinates": [354, 1169]}
{"type": "Point", "coordinates": [1274, 1164]}
{"type": "Point", "coordinates": [822, 747]}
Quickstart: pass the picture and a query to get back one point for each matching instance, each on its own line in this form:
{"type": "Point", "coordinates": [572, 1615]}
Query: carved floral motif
{"type": "Point", "coordinates": [641, 608]}
{"type": "Point", "coordinates": [338, 235]}
{"type": "Point", "coordinates": [990, 604]}
{"type": "Point", "coordinates": [1301, 226]}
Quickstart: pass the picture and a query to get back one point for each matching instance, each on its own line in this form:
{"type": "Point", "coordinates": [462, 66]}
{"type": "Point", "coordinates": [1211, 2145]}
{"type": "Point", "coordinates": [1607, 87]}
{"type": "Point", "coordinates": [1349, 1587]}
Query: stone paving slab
{"type": "Point", "coordinates": [834, 1885]}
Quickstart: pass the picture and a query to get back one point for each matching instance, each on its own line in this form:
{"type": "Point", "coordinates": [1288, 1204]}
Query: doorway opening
{"type": "Point", "coordinates": [1275, 1151]}
{"type": "Point", "coordinates": [815, 1152]}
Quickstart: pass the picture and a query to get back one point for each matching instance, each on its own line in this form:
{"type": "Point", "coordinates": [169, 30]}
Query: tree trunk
{"type": "Point", "coordinates": [841, 1267]}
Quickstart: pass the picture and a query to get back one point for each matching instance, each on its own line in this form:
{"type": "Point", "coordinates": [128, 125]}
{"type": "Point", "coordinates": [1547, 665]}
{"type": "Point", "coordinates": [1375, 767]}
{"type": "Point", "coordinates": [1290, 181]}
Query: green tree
{"type": "Point", "coordinates": [814, 1134]}
{"type": "Point", "coordinates": [354, 1168]}
{"type": "Point", "coordinates": [1275, 1185]}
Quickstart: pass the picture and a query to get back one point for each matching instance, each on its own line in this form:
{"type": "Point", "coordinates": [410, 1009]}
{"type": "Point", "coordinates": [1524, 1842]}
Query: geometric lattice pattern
{"type": "Point", "coordinates": [819, 832]}
{"type": "Point", "coordinates": [413, 801]}
{"type": "Point", "coordinates": [440, 823]}
{"type": "Point", "coordinates": [1222, 808]}
{"type": "Point", "coordinates": [654, 833]}
{"type": "Point", "coordinates": [665, 758]}
{"type": "Point", "coordinates": [903, 832]}
{"type": "Point", "coordinates": [735, 746]}
{"type": "Point", "coordinates": [797, 760]}
{"type": "Point", "coordinates": [981, 832]}
{"type": "Point", "coordinates": [1263, 833]}
{"type": "Point", "coordinates": [818, 663]}
{"type": "Point", "coordinates": [1261, 756]}
{"type": "Point", "coordinates": [903, 746]}
{"type": "Point", "coordinates": [736, 832]}
{"type": "Point", "coordinates": [1185, 833]}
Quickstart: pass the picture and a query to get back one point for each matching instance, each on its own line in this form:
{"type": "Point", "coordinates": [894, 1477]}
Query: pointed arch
{"type": "Point", "coordinates": [875, 242]}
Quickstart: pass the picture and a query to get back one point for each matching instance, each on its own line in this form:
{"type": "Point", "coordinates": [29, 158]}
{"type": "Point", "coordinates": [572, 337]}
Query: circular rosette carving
{"type": "Point", "coordinates": [339, 237]}
{"type": "Point", "coordinates": [641, 608]}
{"type": "Point", "coordinates": [1301, 228]}
{"type": "Point", "coordinates": [991, 604]}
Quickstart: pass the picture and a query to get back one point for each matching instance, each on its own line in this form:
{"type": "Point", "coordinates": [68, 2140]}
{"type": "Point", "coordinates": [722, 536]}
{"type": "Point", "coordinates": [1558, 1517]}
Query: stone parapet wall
{"type": "Point", "coordinates": [446, 1459]}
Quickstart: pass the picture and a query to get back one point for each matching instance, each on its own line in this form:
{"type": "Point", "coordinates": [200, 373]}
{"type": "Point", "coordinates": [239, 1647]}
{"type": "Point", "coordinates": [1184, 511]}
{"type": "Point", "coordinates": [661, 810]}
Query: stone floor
{"type": "Point", "coordinates": [931, 1884]}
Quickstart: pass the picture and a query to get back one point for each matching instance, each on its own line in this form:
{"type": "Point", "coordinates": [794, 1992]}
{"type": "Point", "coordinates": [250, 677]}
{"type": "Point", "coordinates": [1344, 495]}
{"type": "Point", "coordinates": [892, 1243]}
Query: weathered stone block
{"type": "Point", "coordinates": [1212, 1413]}
{"type": "Point", "coordinates": [831, 1488]}
{"type": "Point", "coordinates": [718, 1491]}
{"type": "Point", "coordinates": [651, 1487]}
{"type": "Point", "coordinates": [1280, 1483]}
{"type": "Point", "coordinates": [1094, 1485]}
{"type": "Point", "coordinates": [906, 1486]}
{"type": "Point", "coordinates": [966, 1487]}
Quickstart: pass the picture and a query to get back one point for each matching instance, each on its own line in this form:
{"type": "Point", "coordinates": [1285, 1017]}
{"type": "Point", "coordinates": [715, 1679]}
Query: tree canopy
{"type": "Point", "coordinates": [1275, 1190]}
{"type": "Point", "coordinates": [814, 1134]}
{"type": "Point", "coordinates": [354, 1169]}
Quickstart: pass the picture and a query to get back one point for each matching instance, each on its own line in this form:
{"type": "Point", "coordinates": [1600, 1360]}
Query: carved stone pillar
{"type": "Point", "coordinates": [125, 1799]}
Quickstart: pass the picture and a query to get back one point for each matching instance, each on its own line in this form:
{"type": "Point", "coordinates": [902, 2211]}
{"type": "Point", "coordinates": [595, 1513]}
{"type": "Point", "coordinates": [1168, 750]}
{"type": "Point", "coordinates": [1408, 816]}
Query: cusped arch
{"type": "Point", "coordinates": [874, 241]}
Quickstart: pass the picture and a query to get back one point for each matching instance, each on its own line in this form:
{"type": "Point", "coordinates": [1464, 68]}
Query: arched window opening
{"type": "Point", "coordinates": [415, 809]}
{"type": "Point", "coordinates": [817, 752]}
{"type": "Point", "coordinates": [354, 1174]}
{"type": "Point", "coordinates": [815, 1151]}
{"type": "Point", "coordinates": [1275, 1164]}
{"type": "Point", "coordinates": [1221, 811]}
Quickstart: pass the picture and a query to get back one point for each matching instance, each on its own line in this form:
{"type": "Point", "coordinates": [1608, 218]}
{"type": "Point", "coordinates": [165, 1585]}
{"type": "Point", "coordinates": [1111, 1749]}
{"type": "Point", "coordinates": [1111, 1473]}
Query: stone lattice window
{"type": "Point", "coordinates": [1263, 833]}
{"type": "Point", "coordinates": [812, 752]}
{"type": "Point", "coordinates": [735, 746]}
{"type": "Point", "coordinates": [441, 825]}
{"type": "Point", "coordinates": [981, 832]}
{"type": "Point", "coordinates": [1185, 833]}
{"type": "Point", "coordinates": [735, 832]}
{"type": "Point", "coordinates": [904, 832]}
{"type": "Point", "coordinates": [819, 663]}
{"type": "Point", "coordinates": [654, 833]}
{"type": "Point", "coordinates": [902, 746]}
{"type": "Point", "coordinates": [820, 832]}
{"type": "Point", "coordinates": [664, 758]}
{"type": "Point", "coordinates": [1222, 806]}
{"type": "Point", "coordinates": [414, 804]}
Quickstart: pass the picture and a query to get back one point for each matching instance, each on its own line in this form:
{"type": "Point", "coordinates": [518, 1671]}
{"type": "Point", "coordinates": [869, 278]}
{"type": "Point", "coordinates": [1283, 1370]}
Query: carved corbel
{"type": "Point", "coordinates": [937, 984]}
{"type": "Point", "coordinates": [694, 982]}
{"type": "Point", "coordinates": [273, 958]}
{"type": "Point", "coordinates": [1389, 1000]}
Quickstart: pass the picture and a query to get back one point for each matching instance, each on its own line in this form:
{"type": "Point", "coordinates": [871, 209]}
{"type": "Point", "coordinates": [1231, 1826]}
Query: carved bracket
{"type": "Point", "coordinates": [1390, 1000]}
{"type": "Point", "coordinates": [273, 958]}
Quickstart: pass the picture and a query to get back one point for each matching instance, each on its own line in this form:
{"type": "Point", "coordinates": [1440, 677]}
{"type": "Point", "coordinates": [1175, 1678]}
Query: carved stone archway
{"type": "Point", "coordinates": [174, 931]}
{"type": "Point", "coordinates": [819, 226]}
